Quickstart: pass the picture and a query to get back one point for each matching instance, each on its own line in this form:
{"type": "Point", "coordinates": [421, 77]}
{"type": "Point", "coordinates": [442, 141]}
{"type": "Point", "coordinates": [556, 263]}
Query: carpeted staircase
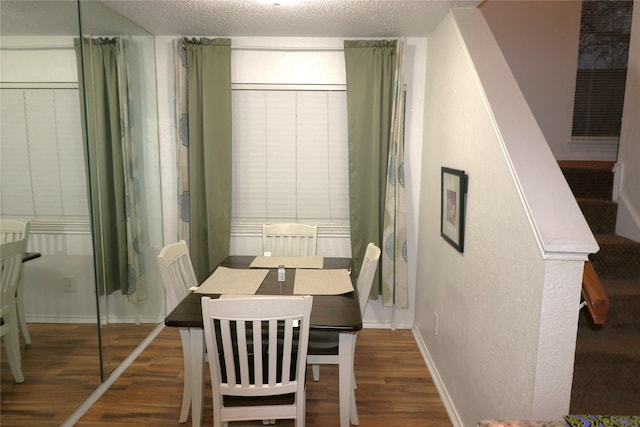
{"type": "Point", "coordinates": [606, 376]}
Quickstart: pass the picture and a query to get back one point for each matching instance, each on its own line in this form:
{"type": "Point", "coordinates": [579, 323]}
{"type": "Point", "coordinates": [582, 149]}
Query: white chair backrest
{"type": "Point", "coordinates": [177, 272]}
{"type": "Point", "coordinates": [11, 254]}
{"type": "Point", "coordinates": [289, 239]}
{"type": "Point", "coordinates": [11, 230]}
{"type": "Point", "coordinates": [367, 273]}
{"type": "Point", "coordinates": [264, 370]}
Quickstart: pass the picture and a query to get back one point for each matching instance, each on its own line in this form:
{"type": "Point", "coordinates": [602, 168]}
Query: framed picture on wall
{"type": "Point", "coordinates": [454, 190]}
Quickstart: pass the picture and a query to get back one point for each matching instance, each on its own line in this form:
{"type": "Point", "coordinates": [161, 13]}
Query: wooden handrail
{"type": "Point", "coordinates": [594, 295]}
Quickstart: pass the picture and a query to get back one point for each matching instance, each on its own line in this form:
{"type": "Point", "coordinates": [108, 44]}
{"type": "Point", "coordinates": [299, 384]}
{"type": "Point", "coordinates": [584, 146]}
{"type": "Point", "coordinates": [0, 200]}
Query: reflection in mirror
{"type": "Point", "coordinates": [117, 73]}
{"type": "Point", "coordinates": [44, 179]}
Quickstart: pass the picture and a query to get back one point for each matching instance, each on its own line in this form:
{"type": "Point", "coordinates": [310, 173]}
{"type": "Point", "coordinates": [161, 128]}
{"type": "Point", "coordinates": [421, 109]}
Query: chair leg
{"type": "Point", "coordinates": [315, 369]}
{"type": "Point", "coordinates": [354, 410]}
{"type": "Point", "coordinates": [12, 344]}
{"type": "Point", "coordinates": [186, 391]}
{"type": "Point", "coordinates": [20, 312]}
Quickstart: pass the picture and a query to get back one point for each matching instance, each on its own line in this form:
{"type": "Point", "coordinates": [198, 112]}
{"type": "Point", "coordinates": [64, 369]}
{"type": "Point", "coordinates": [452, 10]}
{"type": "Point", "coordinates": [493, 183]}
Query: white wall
{"type": "Point", "coordinates": [294, 60]}
{"type": "Point", "coordinates": [539, 40]}
{"type": "Point", "coordinates": [628, 223]}
{"type": "Point", "coordinates": [497, 324]}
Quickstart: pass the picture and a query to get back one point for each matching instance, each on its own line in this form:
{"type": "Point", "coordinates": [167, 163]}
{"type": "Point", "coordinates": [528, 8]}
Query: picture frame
{"type": "Point", "coordinates": [452, 206]}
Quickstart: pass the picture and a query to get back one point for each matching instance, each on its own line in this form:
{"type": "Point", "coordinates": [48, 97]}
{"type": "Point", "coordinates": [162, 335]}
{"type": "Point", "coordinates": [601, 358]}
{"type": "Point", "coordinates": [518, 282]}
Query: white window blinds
{"type": "Point", "coordinates": [290, 158]}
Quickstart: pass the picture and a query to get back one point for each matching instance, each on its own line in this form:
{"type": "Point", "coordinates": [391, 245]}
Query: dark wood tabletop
{"type": "Point", "coordinates": [28, 256]}
{"type": "Point", "coordinates": [330, 312]}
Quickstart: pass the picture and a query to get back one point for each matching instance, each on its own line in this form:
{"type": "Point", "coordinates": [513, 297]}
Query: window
{"type": "Point", "coordinates": [290, 156]}
{"type": "Point", "coordinates": [602, 68]}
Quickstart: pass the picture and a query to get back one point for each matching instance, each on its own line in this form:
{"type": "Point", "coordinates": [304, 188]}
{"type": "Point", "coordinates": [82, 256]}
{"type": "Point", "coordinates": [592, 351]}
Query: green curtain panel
{"type": "Point", "coordinates": [210, 161]}
{"type": "Point", "coordinates": [370, 91]}
{"type": "Point", "coordinates": [101, 119]}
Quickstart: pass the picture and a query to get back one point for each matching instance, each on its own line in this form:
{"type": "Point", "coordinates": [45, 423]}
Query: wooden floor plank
{"type": "Point", "coordinates": [394, 390]}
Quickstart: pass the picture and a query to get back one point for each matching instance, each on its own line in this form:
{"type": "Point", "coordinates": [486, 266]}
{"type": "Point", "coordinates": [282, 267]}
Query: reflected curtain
{"type": "Point", "coordinates": [394, 250]}
{"type": "Point", "coordinates": [209, 145]}
{"type": "Point", "coordinates": [112, 165]}
{"type": "Point", "coordinates": [370, 91]}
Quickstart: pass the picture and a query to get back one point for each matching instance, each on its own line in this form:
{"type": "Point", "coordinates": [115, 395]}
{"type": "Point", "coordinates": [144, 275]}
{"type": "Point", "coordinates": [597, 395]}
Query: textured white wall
{"type": "Point", "coordinates": [506, 318]}
{"type": "Point", "coordinates": [628, 223]}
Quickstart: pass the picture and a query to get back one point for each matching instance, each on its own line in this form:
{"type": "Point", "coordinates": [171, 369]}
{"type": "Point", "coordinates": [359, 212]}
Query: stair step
{"type": "Point", "coordinates": [618, 258]}
{"type": "Point", "coordinates": [624, 309]}
{"type": "Point", "coordinates": [589, 179]}
{"type": "Point", "coordinates": [606, 362]}
{"type": "Point", "coordinates": [600, 215]}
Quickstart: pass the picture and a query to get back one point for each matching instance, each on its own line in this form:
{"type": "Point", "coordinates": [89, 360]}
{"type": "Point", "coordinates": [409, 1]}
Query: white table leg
{"type": "Point", "coordinates": [346, 351]}
{"type": "Point", "coordinates": [197, 374]}
{"type": "Point", "coordinates": [185, 338]}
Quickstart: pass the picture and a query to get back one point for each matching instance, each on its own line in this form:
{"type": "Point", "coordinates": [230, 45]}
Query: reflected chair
{"type": "Point", "coordinates": [11, 230]}
{"type": "Point", "coordinates": [11, 254]}
{"type": "Point", "coordinates": [289, 239]}
{"type": "Point", "coordinates": [178, 277]}
{"type": "Point", "coordinates": [257, 350]}
{"type": "Point", "coordinates": [323, 346]}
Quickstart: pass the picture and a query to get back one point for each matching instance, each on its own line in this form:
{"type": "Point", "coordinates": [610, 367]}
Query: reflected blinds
{"type": "Point", "coordinates": [41, 155]}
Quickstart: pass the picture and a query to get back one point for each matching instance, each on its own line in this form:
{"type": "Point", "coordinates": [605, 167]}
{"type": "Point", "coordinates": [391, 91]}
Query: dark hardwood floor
{"type": "Point", "coordinates": [394, 388]}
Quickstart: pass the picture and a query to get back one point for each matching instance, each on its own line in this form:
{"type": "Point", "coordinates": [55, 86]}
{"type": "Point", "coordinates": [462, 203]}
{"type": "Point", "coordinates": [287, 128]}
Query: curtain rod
{"type": "Point", "coordinates": [52, 47]}
{"type": "Point", "coordinates": [282, 48]}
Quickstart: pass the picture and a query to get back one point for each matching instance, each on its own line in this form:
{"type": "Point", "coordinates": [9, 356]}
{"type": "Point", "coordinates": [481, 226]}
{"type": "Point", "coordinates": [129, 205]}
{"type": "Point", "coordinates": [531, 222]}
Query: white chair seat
{"type": "Point", "coordinates": [323, 346]}
{"type": "Point", "coordinates": [178, 277]}
{"type": "Point", "coordinates": [244, 375]}
{"type": "Point", "coordinates": [11, 230]}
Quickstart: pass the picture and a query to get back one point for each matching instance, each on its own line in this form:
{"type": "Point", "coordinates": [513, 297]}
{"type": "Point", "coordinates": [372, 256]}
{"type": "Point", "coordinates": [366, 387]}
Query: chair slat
{"type": "Point", "coordinates": [257, 352]}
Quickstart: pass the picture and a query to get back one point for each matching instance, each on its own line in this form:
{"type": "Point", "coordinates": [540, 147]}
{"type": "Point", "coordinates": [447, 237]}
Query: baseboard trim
{"type": "Point", "coordinates": [386, 325]}
{"type": "Point", "coordinates": [454, 417]}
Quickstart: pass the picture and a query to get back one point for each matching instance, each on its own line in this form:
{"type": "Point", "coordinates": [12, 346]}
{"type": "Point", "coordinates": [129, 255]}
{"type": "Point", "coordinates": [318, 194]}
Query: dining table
{"type": "Point", "coordinates": [337, 312]}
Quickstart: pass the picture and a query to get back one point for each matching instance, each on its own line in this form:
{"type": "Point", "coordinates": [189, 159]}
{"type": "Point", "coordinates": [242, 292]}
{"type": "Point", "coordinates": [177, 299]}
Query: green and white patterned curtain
{"type": "Point", "coordinates": [394, 245]}
{"type": "Point", "coordinates": [132, 185]}
{"type": "Point", "coordinates": [182, 137]}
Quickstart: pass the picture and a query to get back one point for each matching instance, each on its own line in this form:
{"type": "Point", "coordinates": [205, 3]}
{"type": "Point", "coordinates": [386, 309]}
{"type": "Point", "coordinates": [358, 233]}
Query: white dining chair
{"type": "Point", "coordinates": [323, 346]}
{"type": "Point", "coordinates": [11, 230]}
{"type": "Point", "coordinates": [178, 277]}
{"type": "Point", "coordinates": [257, 349]}
{"type": "Point", "coordinates": [289, 239]}
{"type": "Point", "coordinates": [11, 254]}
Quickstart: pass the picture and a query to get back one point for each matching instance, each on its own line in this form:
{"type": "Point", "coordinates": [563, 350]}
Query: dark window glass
{"type": "Point", "coordinates": [602, 67]}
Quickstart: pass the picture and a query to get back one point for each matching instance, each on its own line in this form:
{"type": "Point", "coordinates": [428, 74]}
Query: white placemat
{"type": "Point", "coordinates": [322, 282]}
{"type": "Point", "coordinates": [288, 262]}
{"type": "Point", "coordinates": [235, 281]}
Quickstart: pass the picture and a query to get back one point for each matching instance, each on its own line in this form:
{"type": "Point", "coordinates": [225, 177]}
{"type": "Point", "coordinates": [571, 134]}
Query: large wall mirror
{"type": "Point", "coordinates": [94, 294]}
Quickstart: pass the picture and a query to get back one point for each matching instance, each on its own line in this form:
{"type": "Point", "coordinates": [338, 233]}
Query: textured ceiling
{"type": "Point", "coordinates": [308, 18]}
{"type": "Point", "coordinates": [344, 18]}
